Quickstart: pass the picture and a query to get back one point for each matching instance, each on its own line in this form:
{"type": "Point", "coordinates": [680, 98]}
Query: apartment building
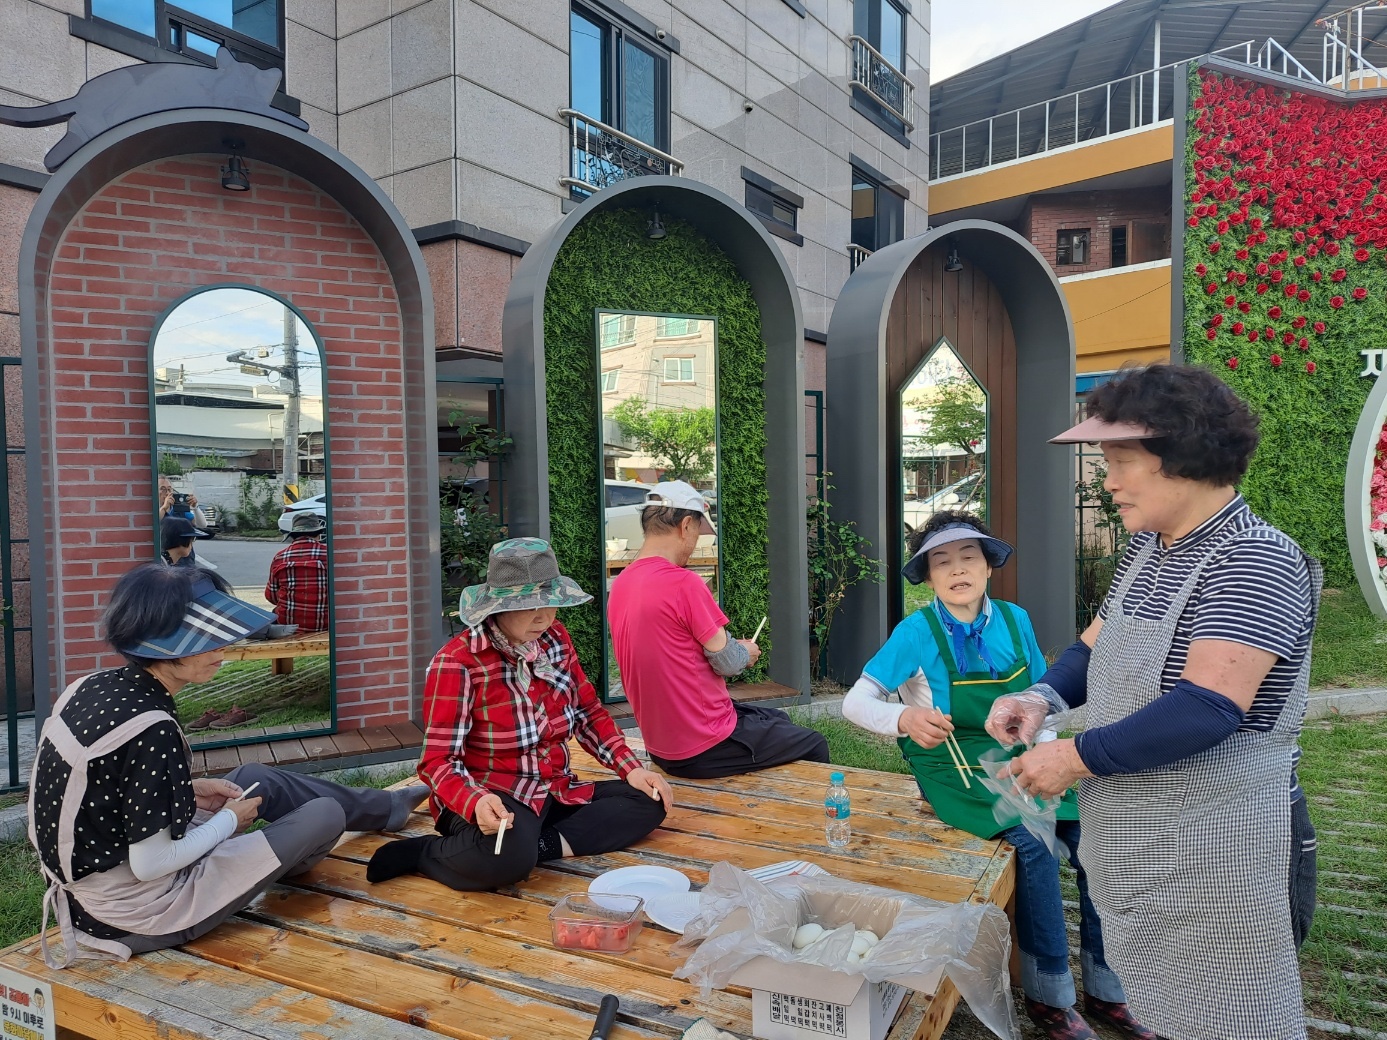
{"type": "Point", "coordinates": [485, 120]}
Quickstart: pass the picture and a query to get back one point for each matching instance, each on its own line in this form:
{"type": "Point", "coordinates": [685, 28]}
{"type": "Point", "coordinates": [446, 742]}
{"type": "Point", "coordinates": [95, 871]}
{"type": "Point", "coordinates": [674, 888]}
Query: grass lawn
{"type": "Point", "coordinates": [1350, 642]}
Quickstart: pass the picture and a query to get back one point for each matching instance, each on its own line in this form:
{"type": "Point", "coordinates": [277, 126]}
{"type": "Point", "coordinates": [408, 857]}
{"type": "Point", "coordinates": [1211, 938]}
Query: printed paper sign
{"type": "Point", "coordinates": [26, 1007]}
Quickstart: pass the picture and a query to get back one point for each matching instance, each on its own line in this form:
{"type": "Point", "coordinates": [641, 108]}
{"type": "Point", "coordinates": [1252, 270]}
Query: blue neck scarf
{"type": "Point", "coordinates": [967, 637]}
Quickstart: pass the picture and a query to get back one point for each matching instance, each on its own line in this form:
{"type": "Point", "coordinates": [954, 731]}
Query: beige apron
{"type": "Point", "coordinates": [162, 906]}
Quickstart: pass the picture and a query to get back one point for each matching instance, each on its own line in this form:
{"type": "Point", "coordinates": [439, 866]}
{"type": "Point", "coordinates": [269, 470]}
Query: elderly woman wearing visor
{"type": "Point", "coordinates": [501, 701]}
{"type": "Point", "coordinates": [948, 662]}
{"type": "Point", "coordinates": [1195, 836]}
{"type": "Point", "coordinates": [138, 854]}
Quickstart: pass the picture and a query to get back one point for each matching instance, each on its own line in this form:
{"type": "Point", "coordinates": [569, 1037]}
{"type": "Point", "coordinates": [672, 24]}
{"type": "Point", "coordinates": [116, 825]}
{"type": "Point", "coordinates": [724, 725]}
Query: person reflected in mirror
{"type": "Point", "coordinates": [501, 701]}
{"type": "Point", "coordinates": [182, 505]}
{"type": "Point", "coordinates": [176, 538]}
{"type": "Point", "coordinates": [947, 663]}
{"type": "Point", "coordinates": [1196, 837]}
{"type": "Point", "coordinates": [671, 642]}
{"type": "Point", "coordinates": [298, 584]}
{"type": "Point", "coordinates": [139, 855]}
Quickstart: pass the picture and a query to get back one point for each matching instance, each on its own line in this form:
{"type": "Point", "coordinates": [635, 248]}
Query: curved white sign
{"type": "Point", "coordinates": [1365, 522]}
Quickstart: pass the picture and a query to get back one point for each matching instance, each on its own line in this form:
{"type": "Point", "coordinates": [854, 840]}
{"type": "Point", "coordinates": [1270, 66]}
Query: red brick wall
{"type": "Point", "coordinates": [139, 244]}
{"type": "Point", "coordinates": [1046, 215]}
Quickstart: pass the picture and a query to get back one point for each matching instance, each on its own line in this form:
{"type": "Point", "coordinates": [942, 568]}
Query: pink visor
{"type": "Point", "coordinates": [1095, 429]}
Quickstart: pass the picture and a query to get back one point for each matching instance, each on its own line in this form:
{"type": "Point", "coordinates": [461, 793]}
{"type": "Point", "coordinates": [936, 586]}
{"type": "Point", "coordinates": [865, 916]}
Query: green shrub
{"type": "Point", "coordinates": [608, 262]}
{"type": "Point", "coordinates": [260, 504]}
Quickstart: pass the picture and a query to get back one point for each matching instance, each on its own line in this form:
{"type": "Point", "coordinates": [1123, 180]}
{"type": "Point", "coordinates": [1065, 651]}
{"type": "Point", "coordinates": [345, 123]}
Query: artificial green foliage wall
{"type": "Point", "coordinates": [1285, 281]}
{"type": "Point", "coordinates": [608, 262]}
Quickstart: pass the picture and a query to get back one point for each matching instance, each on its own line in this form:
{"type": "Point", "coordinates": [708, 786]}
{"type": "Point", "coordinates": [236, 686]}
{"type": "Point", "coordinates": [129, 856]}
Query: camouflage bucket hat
{"type": "Point", "coordinates": [521, 574]}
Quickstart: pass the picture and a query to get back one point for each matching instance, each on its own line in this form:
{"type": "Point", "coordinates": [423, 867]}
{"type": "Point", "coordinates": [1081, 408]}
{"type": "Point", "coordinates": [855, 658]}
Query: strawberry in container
{"type": "Point", "coordinates": [605, 923]}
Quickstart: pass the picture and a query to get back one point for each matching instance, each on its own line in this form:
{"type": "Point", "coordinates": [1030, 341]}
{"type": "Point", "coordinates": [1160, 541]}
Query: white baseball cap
{"type": "Point", "coordinates": [678, 494]}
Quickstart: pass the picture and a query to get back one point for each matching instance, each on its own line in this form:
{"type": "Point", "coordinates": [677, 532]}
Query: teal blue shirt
{"type": "Point", "coordinates": [911, 649]}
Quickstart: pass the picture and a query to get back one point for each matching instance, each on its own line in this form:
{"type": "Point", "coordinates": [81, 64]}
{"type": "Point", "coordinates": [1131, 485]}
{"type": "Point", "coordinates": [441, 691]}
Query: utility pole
{"type": "Point", "coordinates": [289, 384]}
{"type": "Point", "coordinates": [290, 375]}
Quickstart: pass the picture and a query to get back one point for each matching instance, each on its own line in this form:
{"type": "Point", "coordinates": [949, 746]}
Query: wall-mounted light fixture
{"type": "Point", "coordinates": [235, 176]}
{"type": "Point", "coordinates": [952, 263]}
{"type": "Point", "coordinates": [654, 229]}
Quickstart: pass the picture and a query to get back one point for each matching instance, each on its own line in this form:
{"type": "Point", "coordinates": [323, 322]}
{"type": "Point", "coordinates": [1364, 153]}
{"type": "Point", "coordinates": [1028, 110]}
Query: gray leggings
{"type": "Point", "coordinates": [305, 817]}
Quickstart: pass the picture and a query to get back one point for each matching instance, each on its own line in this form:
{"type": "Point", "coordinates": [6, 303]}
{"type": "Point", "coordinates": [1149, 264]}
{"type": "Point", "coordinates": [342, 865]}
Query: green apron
{"type": "Point", "coordinates": [971, 698]}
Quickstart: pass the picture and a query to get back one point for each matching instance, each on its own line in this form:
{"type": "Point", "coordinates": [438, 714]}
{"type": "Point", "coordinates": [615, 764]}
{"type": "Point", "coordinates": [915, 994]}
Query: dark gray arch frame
{"type": "Point", "coordinates": [863, 463]}
{"type": "Point", "coordinates": [195, 131]}
{"type": "Point", "coordinates": [761, 263]}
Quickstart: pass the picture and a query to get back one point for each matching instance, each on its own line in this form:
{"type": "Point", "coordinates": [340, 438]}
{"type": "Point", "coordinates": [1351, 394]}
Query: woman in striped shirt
{"type": "Point", "coordinates": [1195, 675]}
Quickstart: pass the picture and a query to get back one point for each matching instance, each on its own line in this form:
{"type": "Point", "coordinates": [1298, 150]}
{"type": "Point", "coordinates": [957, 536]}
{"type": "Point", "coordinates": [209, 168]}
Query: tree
{"type": "Point", "coordinates": [838, 560]}
{"type": "Point", "coordinates": [681, 442]}
{"type": "Point", "coordinates": [958, 415]}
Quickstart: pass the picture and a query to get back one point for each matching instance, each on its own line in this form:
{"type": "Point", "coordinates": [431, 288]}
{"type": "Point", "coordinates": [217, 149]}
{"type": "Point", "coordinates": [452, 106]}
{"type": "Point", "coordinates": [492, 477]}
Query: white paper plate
{"type": "Point", "coordinates": [673, 910]}
{"type": "Point", "coordinates": [644, 881]}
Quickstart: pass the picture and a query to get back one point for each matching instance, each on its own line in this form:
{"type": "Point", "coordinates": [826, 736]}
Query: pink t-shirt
{"type": "Point", "coordinates": [661, 615]}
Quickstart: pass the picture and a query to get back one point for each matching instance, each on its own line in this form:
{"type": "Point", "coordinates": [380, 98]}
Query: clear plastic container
{"type": "Point", "coordinates": [580, 922]}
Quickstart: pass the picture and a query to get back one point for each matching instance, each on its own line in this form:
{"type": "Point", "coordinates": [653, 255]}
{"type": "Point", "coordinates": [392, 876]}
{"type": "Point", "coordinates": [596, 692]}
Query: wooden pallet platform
{"type": "Point", "coordinates": [329, 956]}
{"type": "Point", "coordinates": [328, 750]}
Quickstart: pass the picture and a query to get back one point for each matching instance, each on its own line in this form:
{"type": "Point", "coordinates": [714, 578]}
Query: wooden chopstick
{"type": "Point", "coordinates": [956, 753]}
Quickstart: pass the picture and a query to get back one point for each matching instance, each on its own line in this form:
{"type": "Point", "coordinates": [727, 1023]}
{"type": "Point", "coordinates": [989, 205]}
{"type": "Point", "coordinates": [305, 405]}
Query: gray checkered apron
{"type": "Point", "coordinates": [1187, 864]}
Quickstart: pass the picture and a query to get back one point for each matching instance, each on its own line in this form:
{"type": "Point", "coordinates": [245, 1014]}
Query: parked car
{"type": "Point", "coordinates": [965, 494]}
{"type": "Point", "coordinates": [315, 504]}
{"type": "Point", "coordinates": [213, 516]}
{"type": "Point", "coordinates": [623, 516]}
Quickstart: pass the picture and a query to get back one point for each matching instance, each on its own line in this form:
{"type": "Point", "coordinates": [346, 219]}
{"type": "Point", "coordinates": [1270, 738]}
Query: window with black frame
{"type": "Point", "coordinates": [879, 68]}
{"type": "Point", "coordinates": [252, 29]}
{"type": "Point", "coordinates": [878, 213]}
{"type": "Point", "coordinates": [618, 101]}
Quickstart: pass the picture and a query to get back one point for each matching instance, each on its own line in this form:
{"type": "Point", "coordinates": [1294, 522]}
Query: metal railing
{"type": "Point", "coordinates": [883, 81]}
{"type": "Point", "coordinates": [1340, 61]}
{"type": "Point", "coordinates": [1090, 114]}
{"type": "Point", "coordinates": [601, 155]}
{"type": "Point", "coordinates": [856, 254]}
{"type": "Point", "coordinates": [1272, 54]}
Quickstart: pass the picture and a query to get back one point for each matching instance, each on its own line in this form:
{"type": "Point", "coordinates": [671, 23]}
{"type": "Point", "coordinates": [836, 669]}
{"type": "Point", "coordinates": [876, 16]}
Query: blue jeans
{"type": "Point", "coordinates": [1040, 928]}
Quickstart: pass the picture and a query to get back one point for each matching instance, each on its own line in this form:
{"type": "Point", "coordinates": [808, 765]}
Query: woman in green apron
{"type": "Point", "coordinates": [948, 662]}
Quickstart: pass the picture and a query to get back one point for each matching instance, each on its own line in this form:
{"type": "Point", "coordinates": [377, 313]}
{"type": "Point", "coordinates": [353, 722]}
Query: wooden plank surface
{"type": "Point", "coordinates": [327, 955]}
{"type": "Point", "coordinates": [315, 644]}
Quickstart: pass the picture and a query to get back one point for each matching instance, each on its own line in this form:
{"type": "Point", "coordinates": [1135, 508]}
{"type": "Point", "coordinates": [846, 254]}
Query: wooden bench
{"type": "Point", "coordinates": [326, 955]}
{"type": "Point", "coordinates": [279, 652]}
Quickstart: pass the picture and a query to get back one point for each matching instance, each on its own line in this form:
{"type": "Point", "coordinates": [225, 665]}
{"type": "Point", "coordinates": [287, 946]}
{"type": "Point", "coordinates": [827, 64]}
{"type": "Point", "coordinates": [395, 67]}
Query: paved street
{"type": "Point", "coordinates": [245, 563]}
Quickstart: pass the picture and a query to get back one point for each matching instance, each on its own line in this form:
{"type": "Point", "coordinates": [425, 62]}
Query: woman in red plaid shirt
{"type": "Point", "coordinates": [500, 702]}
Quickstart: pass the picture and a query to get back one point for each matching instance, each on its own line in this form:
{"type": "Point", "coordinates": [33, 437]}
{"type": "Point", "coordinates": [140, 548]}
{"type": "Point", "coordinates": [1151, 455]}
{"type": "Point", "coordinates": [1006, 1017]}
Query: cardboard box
{"type": "Point", "coordinates": [797, 1001]}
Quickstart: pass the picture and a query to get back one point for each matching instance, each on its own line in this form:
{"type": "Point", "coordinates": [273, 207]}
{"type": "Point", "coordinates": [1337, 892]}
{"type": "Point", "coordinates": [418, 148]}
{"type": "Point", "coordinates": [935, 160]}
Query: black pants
{"type": "Point", "coordinates": [763, 737]}
{"type": "Point", "coordinates": [462, 857]}
{"type": "Point", "coordinates": [1303, 870]}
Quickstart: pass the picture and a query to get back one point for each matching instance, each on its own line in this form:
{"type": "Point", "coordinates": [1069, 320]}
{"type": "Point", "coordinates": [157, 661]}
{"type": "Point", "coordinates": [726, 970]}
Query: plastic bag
{"type": "Point", "coordinates": [741, 919]}
{"type": "Point", "coordinates": [1037, 814]}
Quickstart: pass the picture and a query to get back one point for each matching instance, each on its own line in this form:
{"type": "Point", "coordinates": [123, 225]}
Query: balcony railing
{"type": "Point", "coordinates": [1085, 115]}
{"type": "Point", "coordinates": [883, 81]}
{"type": "Point", "coordinates": [601, 155]}
{"type": "Point", "coordinates": [856, 254]}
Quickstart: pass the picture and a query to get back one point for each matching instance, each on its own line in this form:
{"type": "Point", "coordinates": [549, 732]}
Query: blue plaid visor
{"type": "Point", "coordinates": [213, 620]}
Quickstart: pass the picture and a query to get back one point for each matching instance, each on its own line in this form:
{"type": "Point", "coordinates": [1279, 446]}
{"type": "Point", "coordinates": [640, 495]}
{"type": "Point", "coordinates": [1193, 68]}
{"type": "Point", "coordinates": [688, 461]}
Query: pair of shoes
{"type": "Point", "coordinates": [1058, 1023]}
{"type": "Point", "coordinates": [237, 716]}
{"type": "Point", "coordinates": [204, 721]}
{"type": "Point", "coordinates": [1117, 1017]}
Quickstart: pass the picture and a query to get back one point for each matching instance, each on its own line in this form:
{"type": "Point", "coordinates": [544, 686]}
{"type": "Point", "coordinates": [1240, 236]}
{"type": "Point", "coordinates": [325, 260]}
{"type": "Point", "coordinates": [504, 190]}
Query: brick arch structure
{"type": "Point", "coordinates": [103, 260]}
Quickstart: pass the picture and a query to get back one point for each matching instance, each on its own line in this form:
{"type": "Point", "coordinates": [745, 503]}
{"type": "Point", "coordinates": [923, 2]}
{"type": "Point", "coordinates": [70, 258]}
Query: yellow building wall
{"type": "Point", "coordinates": [1119, 316]}
{"type": "Point", "coordinates": [1046, 172]}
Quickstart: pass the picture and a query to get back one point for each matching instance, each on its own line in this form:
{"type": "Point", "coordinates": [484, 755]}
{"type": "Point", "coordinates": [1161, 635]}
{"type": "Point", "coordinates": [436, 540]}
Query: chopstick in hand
{"type": "Point", "coordinates": [757, 635]}
{"type": "Point", "coordinates": [500, 836]}
{"type": "Point", "coordinates": [956, 753]}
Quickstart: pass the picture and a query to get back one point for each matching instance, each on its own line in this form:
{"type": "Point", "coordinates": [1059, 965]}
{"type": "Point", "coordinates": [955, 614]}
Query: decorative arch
{"type": "Point", "coordinates": [759, 261]}
{"type": "Point", "coordinates": [390, 538]}
{"type": "Point", "coordinates": [894, 308]}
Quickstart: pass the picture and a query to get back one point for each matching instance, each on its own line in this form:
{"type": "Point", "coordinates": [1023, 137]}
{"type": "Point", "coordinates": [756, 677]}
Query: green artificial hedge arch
{"type": "Point", "coordinates": [609, 262]}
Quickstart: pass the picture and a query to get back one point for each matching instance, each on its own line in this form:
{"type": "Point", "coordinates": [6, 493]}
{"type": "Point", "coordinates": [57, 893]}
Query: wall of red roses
{"type": "Point", "coordinates": [1285, 281]}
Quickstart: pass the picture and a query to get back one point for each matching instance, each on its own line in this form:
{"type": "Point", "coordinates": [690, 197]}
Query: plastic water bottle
{"type": "Point", "coordinates": [837, 812]}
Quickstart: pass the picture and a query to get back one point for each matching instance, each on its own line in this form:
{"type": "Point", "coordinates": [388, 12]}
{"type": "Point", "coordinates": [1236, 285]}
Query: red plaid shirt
{"type": "Point", "coordinates": [483, 734]}
{"type": "Point", "coordinates": [298, 584]}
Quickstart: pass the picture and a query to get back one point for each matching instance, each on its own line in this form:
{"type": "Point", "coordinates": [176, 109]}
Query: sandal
{"type": "Point", "coordinates": [235, 717]}
{"type": "Point", "coordinates": [204, 721]}
{"type": "Point", "coordinates": [1058, 1023]}
{"type": "Point", "coordinates": [1117, 1017]}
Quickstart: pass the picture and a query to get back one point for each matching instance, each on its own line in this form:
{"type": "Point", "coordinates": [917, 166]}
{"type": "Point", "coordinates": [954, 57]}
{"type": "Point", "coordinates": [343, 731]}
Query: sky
{"type": "Point", "coordinates": [966, 32]}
